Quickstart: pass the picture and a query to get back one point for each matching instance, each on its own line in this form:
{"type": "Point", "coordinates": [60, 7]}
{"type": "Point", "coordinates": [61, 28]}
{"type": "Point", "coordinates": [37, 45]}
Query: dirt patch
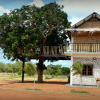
{"type": "Point", "coordinates": [52, 89]}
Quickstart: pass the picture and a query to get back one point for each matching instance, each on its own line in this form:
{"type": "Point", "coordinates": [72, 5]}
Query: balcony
{"type": "Point", "coordinates": [54, 53]}
{"type": "Point", "coordinates": [54, 50]}
{"type": "Point", "coordinates": [83, 47]}
{"type": "Point", "coordinates": [72, 48]}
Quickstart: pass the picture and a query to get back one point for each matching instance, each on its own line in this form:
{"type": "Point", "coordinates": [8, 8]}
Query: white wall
{"type": "Point", "coordinates": [87, 80]}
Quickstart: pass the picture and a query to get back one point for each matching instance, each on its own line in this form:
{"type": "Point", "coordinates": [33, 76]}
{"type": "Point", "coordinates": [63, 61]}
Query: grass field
{"type": "Point", "coordinates": [15, 76]}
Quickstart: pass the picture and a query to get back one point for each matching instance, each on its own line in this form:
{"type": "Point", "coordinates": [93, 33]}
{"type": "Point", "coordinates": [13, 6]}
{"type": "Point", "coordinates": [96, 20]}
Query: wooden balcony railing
{"type": "Point", "coordinates": [53, 50]}
{"type": "Point", "coordinates": [71, 47]}
{"type": "Point", "coordinates": [83, 47]}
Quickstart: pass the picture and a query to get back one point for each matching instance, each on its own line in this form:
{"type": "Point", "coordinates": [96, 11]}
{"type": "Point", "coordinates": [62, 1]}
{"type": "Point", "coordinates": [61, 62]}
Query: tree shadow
{"type": "Point", "coordinates": [44, 82]}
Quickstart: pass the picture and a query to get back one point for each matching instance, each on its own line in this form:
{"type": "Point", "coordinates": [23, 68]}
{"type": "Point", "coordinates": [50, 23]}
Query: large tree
{"type": "Point", "coordinates": [24, 30]}
{"type": "Point", "coordinates": [55, 20]}
{"type": "Point", "coordinates": [20, 33]}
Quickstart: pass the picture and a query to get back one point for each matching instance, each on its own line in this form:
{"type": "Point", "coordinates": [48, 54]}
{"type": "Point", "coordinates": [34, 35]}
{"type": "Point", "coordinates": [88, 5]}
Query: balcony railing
{"type": "Point", "coordinates": [83, 47]}
{"type": "Point", "coordinates": [71, 47]}
{"type": "Point", "coordinates": [53, 50]}
{"type": "Point", "coordinates": [48, 50]}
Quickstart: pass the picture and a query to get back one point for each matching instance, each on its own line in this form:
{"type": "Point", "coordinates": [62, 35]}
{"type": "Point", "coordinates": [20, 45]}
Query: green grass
{"type": "Point", "coordinates": [33, 89]}
{"type": "Point", "coordinates": [74, 91]}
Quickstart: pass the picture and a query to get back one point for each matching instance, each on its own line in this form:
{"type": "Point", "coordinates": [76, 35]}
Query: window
{"type": "Point", "coordinates": [88, 70]}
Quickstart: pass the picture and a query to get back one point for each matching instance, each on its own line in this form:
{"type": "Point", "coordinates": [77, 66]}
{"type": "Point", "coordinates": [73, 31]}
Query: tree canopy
{"type": "Point", "coordinates": [30, 69]}
{"type": "Point", "coordinates": [23, 30]}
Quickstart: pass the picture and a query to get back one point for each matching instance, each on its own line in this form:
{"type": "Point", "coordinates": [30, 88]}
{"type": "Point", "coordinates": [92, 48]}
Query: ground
{"type": "Point", "coordinates": [55, 89]}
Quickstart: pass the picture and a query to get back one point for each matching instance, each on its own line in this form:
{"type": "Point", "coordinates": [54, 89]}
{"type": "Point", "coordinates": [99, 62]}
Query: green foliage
{"type": "Point", "coordinates": [41, 66]}
{"type": "Point", "coordinates": [56, 70]}
{"type": "Point", "coordinates": [74, 91]}
{"type": "Point", "coordinates": [65, 71]}
{"type": "Point", "coordinates": [77, 68]}
{"type": "Point", "coordinates": [18, 33]}
{"type": "Point", "coordinates": [28, 28]}
{"type": "Point", "coordinates": [2, 67]}
{"type": "Point", "coordinates": [57, 21]}
{"type": "Point", "coordinates": [11, 68]}
{"type": "Point", "coordinates": [18, 67]}
{"type": "Point", "coordinates": [19, 73]}
{"type": "Point", "coordinates": [30, 69]}
{"type": "Point", "coordinates": [56, 38]}
{"type": "Point", "coordinates": [34, 89]}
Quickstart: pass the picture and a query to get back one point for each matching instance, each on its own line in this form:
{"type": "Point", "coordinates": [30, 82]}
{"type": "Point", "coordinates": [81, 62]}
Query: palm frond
{"type": "Point", "coordinates": [77, 68]}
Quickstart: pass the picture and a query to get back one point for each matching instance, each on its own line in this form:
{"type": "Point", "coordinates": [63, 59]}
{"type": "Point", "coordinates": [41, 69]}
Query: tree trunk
{"type": "Point", "coordinates": [23, 71]}
{"type": "Point", "coordinates": [40, 75]}
{"type": "Point", "coordinates": [40, 70]}
{"type": "Point", "coordinates": [68, 79]}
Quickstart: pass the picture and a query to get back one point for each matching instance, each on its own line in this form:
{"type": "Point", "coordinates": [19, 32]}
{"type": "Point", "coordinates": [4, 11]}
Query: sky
{"type": "Point", "coordinates": [75, 9]}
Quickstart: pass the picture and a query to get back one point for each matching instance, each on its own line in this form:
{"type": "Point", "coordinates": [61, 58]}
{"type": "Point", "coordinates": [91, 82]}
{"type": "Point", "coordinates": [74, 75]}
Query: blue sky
{"type": "Point", "coordinates": [76, 10]}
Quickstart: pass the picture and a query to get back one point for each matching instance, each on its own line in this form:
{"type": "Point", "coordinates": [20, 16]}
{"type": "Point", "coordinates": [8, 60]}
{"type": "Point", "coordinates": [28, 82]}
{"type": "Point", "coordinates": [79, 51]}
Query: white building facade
{"type": "Point", "coordinates": [84, 46]}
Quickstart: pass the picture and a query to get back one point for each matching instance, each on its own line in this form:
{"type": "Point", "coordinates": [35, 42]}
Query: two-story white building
{"type": "Point", "coordinates": [84, 46]}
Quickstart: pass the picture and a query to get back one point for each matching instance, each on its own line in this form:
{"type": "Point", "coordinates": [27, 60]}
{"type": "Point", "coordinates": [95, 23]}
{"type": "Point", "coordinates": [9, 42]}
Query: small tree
{"type": "Point", "coordinates": [30, 69]}
{"type": "Point", "coordinates": [77, 68]}
{"type": "Point", "coordinates": [10, 68]}
{"type": "Point", "coordinates": [18, 67]}
{"type": "Point", "coordinates": [65, 71]}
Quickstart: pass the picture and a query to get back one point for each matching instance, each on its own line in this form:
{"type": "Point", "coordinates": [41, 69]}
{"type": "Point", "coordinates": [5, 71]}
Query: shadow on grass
{"type": "Point", "coordinates": [47, 82]}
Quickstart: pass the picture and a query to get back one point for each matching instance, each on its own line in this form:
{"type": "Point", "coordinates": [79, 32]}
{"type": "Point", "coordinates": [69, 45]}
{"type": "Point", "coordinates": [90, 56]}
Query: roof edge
{"type": "Point", "coordinates": [93, 15]}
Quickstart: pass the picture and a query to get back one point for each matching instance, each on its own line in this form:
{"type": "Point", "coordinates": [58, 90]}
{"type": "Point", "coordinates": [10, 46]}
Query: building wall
{"type": "Point", "coordinates": [88, 80]}
{"type": "Point", "coordinates": [87, 38]}
{"type": "Point", "coordinates": [92, 23]}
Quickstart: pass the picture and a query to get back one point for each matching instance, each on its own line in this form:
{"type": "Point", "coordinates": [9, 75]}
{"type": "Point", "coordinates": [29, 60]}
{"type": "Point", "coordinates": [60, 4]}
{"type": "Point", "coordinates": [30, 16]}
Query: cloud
{"type": "Point", "coordinates": [2, 10]}
{"type": "Point", "coordinates": [79, 9]}
{"type": "Point", "coordinates": [2, 59]}
{"type": "Point", "coordinates": [74, 20]}
{"type": "Point", "coordinates": [38, 3]}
